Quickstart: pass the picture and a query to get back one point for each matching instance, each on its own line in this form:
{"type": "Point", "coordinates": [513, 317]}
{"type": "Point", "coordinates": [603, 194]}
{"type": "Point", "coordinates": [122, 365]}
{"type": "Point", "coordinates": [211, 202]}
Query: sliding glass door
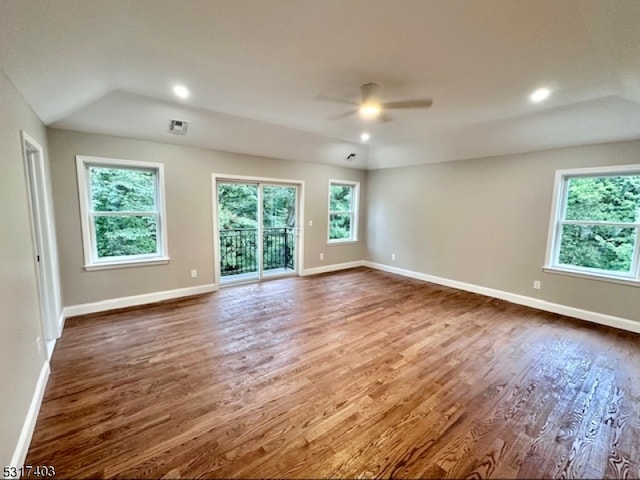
{"type": "Point", "coordinates": [257, 230]}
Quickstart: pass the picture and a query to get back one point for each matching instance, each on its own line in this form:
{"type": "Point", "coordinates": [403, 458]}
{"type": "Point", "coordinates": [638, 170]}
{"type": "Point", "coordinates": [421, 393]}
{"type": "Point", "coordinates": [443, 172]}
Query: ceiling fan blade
{"type": "Point", "coordinates": [423, 103]}
{"type": "Point", "coordinates": [327, 98]}
{"type": "Point", "coordinates": [343, 115]}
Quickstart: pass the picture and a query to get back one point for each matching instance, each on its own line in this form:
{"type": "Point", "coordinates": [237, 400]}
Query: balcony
{"type": "Point", "coordinates": [239, 252]}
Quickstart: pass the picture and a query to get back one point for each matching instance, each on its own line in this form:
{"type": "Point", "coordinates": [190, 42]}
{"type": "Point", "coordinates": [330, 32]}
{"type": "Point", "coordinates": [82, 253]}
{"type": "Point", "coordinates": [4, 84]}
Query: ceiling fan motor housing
{"type": "Point", "coordinates": [370, 93]}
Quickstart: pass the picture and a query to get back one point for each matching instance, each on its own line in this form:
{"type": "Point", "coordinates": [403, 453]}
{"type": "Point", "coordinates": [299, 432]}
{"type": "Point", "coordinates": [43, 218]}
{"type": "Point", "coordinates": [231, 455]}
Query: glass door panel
{"type": "Point", "coordinates": [279, 234]}
{"type": "Point", "coordinates": [238, 222]}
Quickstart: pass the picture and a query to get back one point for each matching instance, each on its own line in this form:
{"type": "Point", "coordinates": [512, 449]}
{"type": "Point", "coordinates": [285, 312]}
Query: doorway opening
{"type": "Point", "coordinates": [45, 250]}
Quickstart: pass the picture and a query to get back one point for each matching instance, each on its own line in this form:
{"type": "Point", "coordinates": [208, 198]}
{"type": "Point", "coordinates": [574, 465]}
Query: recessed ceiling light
{"type": "Point", "coordinates": [364, 136]}
{"type": "Point", "coordinates": [181, 91]}
{"type": "Point", "coordinates": [539, 95]}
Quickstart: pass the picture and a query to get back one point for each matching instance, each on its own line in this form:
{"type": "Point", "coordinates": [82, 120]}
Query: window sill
{"type": "Point", "coordinates": [592, 276]}
{"type": "Point", "coordinates": [342, 242]}
{"type": "Point", "coordinates": [127, 263]}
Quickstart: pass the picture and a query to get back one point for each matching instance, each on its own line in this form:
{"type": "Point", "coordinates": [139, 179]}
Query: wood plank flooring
{"type": "Point", "coordinates": [358, 373]}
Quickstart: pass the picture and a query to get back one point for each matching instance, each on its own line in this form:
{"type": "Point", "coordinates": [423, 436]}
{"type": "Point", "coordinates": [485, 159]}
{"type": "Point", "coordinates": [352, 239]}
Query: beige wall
{"type": "Point", "coordinates": [485, 222]}
{"type": "Point", "coordinates": [189, 212]}
{"type": "Point", "coordinates": [482, 221]}
{"type": "Point", "coordinates": [20, 358]}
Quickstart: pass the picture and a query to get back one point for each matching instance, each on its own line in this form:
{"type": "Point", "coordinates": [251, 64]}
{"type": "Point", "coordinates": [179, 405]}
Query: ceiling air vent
{"type": "Point", "coordinates": [178, 127]}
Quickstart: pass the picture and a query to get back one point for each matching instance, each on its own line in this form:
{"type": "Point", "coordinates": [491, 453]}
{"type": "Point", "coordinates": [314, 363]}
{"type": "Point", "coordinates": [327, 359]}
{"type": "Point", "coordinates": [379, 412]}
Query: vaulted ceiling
{"type": "Point", "coordinates": [260, 73]}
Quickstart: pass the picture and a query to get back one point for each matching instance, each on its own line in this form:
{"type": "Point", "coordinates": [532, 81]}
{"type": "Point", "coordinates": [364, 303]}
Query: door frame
{"type": "Point", "coordinates": [218, 177]}
{"type": "Point", "coordinates": [44, 240]}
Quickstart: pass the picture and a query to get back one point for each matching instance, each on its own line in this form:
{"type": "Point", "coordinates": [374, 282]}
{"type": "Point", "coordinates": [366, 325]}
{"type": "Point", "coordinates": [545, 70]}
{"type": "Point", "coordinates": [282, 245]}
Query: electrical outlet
{"type": "Point", "coordinates": [322, 256]}
{"type": "Point", "coordinates": [393, 257]}
{"type": "Point", "coordinates": [194, 273]}
{"type": "Point", "coordinates": [39, 344]}
{"type": "Point", "coordinates": [311, 223]}
{"type": "Point", "coordinates": [537, 284]}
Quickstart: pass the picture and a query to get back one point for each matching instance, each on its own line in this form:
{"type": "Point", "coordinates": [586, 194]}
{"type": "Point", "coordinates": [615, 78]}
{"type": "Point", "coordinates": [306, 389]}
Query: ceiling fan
{"type": "Point", "coordinates": [371, 108]}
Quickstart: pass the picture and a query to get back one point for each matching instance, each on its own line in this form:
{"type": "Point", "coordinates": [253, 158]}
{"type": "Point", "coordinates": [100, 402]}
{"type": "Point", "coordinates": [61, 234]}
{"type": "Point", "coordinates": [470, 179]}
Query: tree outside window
{"type": "Point", "coordinates": [122, 212]}
{"type": "Point", "coordinates": [343, 199]}
{"type": "Point", "coordinates": [597, 224]}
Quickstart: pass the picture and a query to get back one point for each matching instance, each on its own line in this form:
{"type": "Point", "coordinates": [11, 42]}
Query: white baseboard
{"type": "Point", "coordinates": [20, 453]}
{"type": "Point", "coordinates": [134, 300]}
{"type": "Point", "coordinates": [601, 318]}
{"type": "Point", "coordinates": [332, 268]}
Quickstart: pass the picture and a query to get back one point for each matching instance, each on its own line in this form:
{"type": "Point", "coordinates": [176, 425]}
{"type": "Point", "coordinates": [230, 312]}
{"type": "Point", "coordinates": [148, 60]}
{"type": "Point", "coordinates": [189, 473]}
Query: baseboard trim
{"type": "Point", "coordinates": [332, 268]}
{"type": "Point", "coordinates": [595, 317]}
{"type": "Point", "coordinates": [135, 300]}
{"type": "Point", "coordinates": [20, 453]}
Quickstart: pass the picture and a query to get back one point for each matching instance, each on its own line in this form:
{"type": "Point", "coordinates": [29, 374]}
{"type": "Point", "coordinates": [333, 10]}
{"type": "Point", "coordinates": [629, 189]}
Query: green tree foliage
{"type": "Point", "coordinates": [601, 199]}
{"type": "Point", "coordinates": [279, 207]}
{"type": "Point", "coordinates": [340, 200]}
{"type": "Point", "coordinates": [124, 190]}
{"type": "Point", "coordinates": [238, 206]}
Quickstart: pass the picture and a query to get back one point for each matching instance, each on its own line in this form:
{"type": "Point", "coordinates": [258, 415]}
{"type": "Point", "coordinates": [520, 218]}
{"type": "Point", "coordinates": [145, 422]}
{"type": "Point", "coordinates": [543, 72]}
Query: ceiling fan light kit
{"type": "Point", "coordinates": [371, 108]}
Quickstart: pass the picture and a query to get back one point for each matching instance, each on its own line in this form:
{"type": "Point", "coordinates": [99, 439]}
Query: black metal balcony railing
{"type": "Point", "coordinates": [238, 250]}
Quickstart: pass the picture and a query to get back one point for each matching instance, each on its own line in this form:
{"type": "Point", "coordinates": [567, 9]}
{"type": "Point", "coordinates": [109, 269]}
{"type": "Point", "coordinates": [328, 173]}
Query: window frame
{"type": "Point", "coordinates": [91, 259]}
{"type": "Point", "coordinates": [558, 210]}
{"type": "Point", "coordinates": [353, 212]}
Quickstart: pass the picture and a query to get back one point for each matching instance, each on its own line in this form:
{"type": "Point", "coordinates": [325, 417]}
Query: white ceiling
{"type": "Point", "coordinates": [258, 71]}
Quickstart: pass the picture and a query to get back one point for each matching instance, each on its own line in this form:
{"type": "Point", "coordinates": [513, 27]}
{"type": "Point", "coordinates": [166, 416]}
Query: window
{"type": "Point", "coordinates": [595, 223]}
{"type": "Point", "coordinates": [343, 207]}
{"type": "Point", "coordinates": [122, 208]}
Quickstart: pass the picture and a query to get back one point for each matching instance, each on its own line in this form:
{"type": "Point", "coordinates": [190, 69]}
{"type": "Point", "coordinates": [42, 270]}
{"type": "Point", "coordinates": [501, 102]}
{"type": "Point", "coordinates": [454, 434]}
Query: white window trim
{"type": "Point", "coordinates": [355, 208]}
{"type": "Point", "coordinates": [91, 260]}
{"type": "Point", "coordinates": [555, 219]}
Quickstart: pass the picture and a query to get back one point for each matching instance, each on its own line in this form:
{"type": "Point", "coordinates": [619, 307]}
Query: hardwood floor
{"type": "Point", "coordinates": [358, 373]}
